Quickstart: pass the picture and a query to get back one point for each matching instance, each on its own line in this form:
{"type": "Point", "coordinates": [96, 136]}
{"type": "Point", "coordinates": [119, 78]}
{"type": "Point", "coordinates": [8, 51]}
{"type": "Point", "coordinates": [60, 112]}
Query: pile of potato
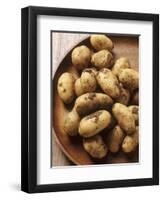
{"type": "Point", "coordinates": [105, 97]}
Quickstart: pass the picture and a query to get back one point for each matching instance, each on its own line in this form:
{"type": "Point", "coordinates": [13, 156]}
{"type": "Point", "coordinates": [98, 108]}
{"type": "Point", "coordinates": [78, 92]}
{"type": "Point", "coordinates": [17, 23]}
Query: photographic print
{"type": "Point", "coordinates": [95, 98]}
{"type": "Point", "coordinates": [90, 99]}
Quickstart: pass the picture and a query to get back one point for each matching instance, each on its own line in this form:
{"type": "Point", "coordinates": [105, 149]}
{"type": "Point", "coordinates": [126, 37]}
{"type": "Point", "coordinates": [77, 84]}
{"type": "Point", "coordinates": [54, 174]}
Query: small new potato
{"type": "Point", "coordinates": [108, 83]}
{"type": "Point", "coordinates": [120, 64]}
{"type": "Point", "coordinates": [124, 96]}
{"type": "Point", "coordinates": [88, 80]}
{"type": "Point", "coordinates": [115, 139]}
{"type": "Point", "coordinates": [71, 123]}
{"type": "Point", "coordinates": [135, 98]}
{"type": "Point", "coordinates": [129, 78]}
{"type": "Point", "coordinates": [102, 59]}
{"type": "Point", "coordinates": [124, 117]}
{"type": "Point", "coordinates": [130, 142]}
{"type": "Point", "coordinates": [100, 42]}
{"type": "Point", "coordinates": [78, 88]}
{"type": "Point", "coordinates": [135, 111]}
{"type": "Point", "coordinates": [91, 70]}
{"type": "Point", "coordinates": [65, 87]}
{"type": "Point", "coordinates": [91, 102]}
{"type": "Point", "coordinates": [81, 57]}
{"type": "Point", "coordinates": [95, 146]}
{"type": "Point", "coordinates": [94, 123]}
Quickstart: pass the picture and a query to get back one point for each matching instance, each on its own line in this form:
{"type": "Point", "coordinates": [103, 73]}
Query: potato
{"type": "Point", "coordinates": [120, 64]}
{"type": "Point", "coordinates": [124, 96]}
{"type": "Point", "coordinates": [81, 57]}
{"type": "Point", "coordinates": [130, 142]}
{"type": "Point", "coordinates": [102, 59]}
{"type": "Point", "coordinates": [108, 83]}
{"type": "Point", "coordinates": [78, 88]}
{"type": "Point", "coordinates": [115, 139]}
{"type": "Point", "coordinates": [91, 102]}
{"type": "Point", "coordinates": [135, 111]}
{"type": "Point", "coordinates": [129, 78]}
{"type": "Point", "coordinates": [124, 117]}
{"type": "Point", "coordinates": [65, 87]}
{"type": "Point", "coordinates": [100, 42]}
{"type": "Point", "coordinates": [95, 146]}
{"type": "Point", "coordinates": [71, 123]}
{"type": "Point", "coordinates": [94, 123]}
{"type": "Point", "coordinates": [91, 70]}
{"type": "Point", "coordinates": [88, 80]}
{"type": "Point", "coordinates": [135, 98]}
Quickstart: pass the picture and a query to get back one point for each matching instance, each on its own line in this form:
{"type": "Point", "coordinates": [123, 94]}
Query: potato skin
{"type": "Point", "coordinates": [91, 102]}
{"type": "Point", "coordinates": [93, 69]}
{"type": "Point", "coordinates": [135, 111]}
{"type": "Point", "coordinates": [81, 57]}
{"type": "Point", "coordinates": [88, 80]}
{"type": "Point", "coordinates": [94, 123]}
{"type": "Point", "coordinates": [102, 59]}
{"type": "Point", "coordinates": [124, 96]}
{"type": "Point", "coordinates": [115, 139]}
{"type": "Point", "coordinates": [100, 42]}
{"type": "Point", "coordinates": [108, 83]}
{"type": "Point", "coordinates": [129, 78]}
{"type": "Point", "coordinates": [120, 64]}
{"type": "Point", "coordinates": [130, 142]}
{"type": "Point", "coordinates": [65, 87]}
{"type": "Point", "coordinates": [124, 117]}
{"type": "Point", "coordinates": [78, 88]}
{"type": "Point", "coordinates": [95, 146]}
{"type": "Point", "coordinates": [71, 123]}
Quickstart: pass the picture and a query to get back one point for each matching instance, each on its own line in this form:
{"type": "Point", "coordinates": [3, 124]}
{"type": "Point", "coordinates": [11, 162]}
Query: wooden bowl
{"type": "Point", "coordinates": [72, 146]}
